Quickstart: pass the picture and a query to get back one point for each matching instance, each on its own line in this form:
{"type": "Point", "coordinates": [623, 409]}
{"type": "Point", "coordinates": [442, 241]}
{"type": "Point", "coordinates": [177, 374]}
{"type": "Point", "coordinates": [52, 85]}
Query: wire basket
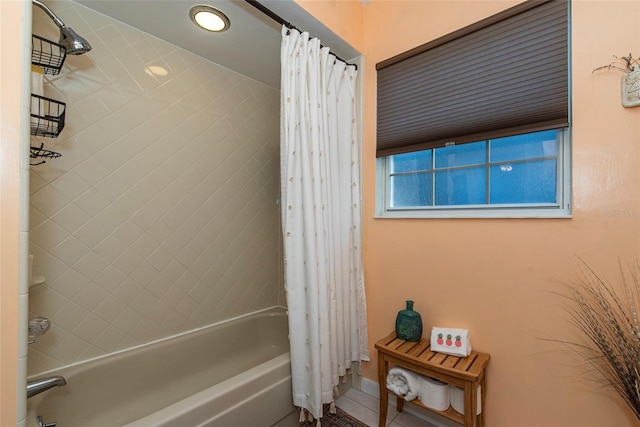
{"type": "Point", "coordinates": [46, 54]}
{"type": "Point", "coordinates": [42, 153]}
{"type": "Point", "coordinates": [47, 116]}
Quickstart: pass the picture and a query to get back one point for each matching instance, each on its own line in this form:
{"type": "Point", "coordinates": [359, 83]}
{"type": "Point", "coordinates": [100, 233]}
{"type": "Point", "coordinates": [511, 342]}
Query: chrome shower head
{"type": "Point", "coordinates": [72, 42]}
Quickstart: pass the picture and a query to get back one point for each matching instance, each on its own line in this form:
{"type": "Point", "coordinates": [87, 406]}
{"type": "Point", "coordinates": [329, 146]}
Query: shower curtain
{"type": "Point", "coordinates": [320, 204]}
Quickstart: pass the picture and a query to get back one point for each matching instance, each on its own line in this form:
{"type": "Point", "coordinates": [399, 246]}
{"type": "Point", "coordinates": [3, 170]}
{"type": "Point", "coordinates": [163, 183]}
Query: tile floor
{"type": "Point", "coordinates": [365, 408]}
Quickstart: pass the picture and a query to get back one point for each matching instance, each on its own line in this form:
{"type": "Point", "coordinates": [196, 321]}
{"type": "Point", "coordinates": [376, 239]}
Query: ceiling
{"type": "Point", "coordinates": [251, 46]}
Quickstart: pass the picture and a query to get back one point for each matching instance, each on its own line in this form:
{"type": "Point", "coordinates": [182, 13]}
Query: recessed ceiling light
{"type": "Point", "coordinates": [209, 18]}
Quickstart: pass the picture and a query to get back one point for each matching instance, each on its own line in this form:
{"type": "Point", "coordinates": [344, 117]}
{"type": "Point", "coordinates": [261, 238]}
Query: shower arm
{"type": "Point", "coordinates": [69, 39]}
{"type": "Point", "coordinates": [49, 12]}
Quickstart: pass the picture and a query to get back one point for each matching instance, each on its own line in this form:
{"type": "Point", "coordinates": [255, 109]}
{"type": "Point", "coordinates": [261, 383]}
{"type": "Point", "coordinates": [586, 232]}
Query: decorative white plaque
{"type": "Point", "coordinates": [631, 87]}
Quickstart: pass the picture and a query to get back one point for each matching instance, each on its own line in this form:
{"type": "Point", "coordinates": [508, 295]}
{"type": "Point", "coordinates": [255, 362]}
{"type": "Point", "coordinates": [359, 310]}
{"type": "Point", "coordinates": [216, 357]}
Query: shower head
{"type": "Point", "coordinates": [72, 42]}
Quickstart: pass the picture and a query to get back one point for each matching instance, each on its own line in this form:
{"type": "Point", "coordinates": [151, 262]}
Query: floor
{"type": "Point", "coordinates": [365, 408]}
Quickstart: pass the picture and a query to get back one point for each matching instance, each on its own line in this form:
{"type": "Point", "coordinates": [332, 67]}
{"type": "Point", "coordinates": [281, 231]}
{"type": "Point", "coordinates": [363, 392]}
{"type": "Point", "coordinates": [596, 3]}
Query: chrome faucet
{"type": "Point", "coordinates": [43, 384]}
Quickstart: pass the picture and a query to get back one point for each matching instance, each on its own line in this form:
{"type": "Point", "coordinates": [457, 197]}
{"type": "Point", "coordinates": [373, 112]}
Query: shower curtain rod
{"type": "Point", "coordinates": [287, 24]}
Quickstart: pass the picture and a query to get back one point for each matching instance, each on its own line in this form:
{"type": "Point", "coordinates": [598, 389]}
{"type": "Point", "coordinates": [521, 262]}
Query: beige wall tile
{"type": "Point", "coordinates": [160, 216]}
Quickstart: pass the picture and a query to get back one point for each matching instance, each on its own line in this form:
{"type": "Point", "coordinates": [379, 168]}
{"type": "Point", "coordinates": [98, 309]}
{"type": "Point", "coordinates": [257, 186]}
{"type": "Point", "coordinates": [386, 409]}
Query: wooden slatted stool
{"type": "Point", "coordinates": [464, 372]}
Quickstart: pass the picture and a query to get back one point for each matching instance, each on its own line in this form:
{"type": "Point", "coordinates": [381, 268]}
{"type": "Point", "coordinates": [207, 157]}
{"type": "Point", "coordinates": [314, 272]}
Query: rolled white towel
{"type": "Point", "coordinates": [403, 382]}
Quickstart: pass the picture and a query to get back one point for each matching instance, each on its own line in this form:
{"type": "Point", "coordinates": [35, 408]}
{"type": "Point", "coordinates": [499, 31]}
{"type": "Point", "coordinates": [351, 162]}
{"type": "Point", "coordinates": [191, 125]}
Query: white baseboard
{"type": "Point", "coordinates": [372, 389]}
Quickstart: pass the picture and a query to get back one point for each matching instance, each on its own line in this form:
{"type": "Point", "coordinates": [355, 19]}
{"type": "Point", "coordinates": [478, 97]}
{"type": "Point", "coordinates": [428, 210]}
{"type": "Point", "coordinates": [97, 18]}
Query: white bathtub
{"type": "Point", "coordinates": [232, 374]}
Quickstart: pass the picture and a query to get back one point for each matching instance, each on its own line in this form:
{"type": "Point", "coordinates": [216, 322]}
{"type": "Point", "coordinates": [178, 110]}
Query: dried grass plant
{"type": "Point", "coordinates": [607, 316]}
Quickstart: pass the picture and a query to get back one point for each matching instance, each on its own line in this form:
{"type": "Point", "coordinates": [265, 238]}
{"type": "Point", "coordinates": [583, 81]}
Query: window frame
{"type": "Point", "coordinates": [561, 209]}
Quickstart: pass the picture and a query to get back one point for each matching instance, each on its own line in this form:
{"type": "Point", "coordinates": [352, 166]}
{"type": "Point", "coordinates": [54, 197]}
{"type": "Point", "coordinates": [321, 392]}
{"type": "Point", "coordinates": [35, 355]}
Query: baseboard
{"type": "Point", "coordinates": [372, 389]}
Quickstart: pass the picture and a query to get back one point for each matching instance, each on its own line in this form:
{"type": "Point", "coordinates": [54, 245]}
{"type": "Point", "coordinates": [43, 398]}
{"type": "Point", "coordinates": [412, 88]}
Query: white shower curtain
{"type": "Point", "coordinates": [320, 202]}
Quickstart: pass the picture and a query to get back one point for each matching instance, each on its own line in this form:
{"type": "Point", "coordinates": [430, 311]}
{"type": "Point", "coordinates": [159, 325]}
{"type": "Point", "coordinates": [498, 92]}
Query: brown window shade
{"type": "Point", "coordinates": [502, 76]}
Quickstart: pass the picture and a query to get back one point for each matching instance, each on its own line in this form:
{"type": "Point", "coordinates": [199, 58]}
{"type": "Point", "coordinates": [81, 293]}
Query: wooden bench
{"type": "Point", "coordinates": [464, 372]}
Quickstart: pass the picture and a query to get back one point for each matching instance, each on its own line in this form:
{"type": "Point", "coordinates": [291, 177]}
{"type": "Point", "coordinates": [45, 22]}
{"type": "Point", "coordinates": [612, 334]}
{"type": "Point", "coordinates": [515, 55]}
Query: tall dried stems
{"type": "Point", "coordinates": [608, 318]}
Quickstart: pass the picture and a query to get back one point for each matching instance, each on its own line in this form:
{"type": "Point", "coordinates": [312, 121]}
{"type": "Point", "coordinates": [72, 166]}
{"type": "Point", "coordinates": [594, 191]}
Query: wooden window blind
{"type": "Point", "coordinates": [505, 75]}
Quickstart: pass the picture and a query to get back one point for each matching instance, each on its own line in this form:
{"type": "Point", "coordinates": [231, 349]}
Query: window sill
{"type": "Point", "coordinates": [524, 213]}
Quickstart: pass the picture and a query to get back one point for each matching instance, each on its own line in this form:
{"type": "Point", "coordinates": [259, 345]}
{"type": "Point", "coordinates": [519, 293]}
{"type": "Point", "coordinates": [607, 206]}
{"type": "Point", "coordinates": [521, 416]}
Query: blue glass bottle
{"type": "Point", "coordinates": [409, 324]}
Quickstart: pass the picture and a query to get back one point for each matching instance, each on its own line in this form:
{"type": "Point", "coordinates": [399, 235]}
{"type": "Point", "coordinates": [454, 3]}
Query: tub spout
{"type": "Point", "coordinates": [43, 384]}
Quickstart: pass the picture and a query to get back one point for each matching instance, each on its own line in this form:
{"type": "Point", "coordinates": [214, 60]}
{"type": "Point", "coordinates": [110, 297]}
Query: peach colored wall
{"type": "Point", "coordinates": [10, 104]}
{"type": "Point", "coordinates": [496, 277]}
{"type": "Point", "coordinates": [343, 17]}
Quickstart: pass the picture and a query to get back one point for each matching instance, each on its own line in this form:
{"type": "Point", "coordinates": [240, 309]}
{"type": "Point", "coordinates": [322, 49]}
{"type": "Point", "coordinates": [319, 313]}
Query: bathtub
{"type": "Point", "coordinates": [236, 373]}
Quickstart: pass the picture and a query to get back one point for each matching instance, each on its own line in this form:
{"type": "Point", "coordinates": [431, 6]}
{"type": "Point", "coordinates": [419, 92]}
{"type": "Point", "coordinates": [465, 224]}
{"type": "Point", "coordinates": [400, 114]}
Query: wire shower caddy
{"type": "Point", "coordinates": [47, 55]}
{"type": "Point", "coordinates": [47, 114]}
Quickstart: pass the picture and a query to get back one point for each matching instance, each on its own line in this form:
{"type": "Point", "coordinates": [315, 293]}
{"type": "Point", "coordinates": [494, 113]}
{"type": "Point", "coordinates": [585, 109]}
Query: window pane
{"type": "Point", "coordinates": [461, 187]}
{"type": "Point", "coordinates": [527, 146]}
{"type": "Point", "coordinates": [530, 182]}
{"type": "Point", "coordinates": [411, 162]}
{"type": "Point", "coordinates": [411, 190]}
{"type": "Point", "coordinates": [461, 155]}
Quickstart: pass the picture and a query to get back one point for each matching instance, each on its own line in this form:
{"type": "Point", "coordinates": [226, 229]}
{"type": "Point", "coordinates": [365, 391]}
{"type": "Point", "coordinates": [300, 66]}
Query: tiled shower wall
{"type": "Point", "coordinates": [161, 215]}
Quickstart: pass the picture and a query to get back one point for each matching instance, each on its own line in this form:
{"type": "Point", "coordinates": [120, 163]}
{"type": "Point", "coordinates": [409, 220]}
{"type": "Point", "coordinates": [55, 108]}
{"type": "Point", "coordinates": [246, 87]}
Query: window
{"type": "Point", "coordinates": [521, 175]}
{"type": "Point", "coordinates": [491, 139]}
